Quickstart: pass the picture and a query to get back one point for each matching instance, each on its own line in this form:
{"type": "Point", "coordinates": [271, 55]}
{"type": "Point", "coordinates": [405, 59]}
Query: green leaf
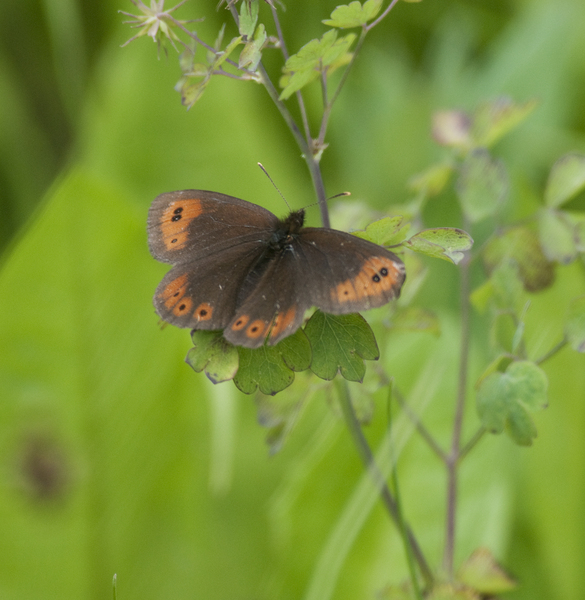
{"type": "Point", "coordinates": [505, 399]}
{"type": "Point", "coordinates": [566, 179]}
{"type": "Point", "coordinates": [386, 231]}
{"type": "Point", "coordinates": [493, 119]}
{"type": "Point", "coordinates": [507, 286]}
{"type": "Point", "coordinates": [311, 59]}
{"type": "Point", "coordinates": [354, 14]}
{"type": "Point", "coordinates": [446, 243]}
{"type": "Point", "coordinates": [575, 324]}
{"type": "Point", "coordinates": [481, 572]}
{"type": "Point", "coordinates": [482, 185]}
{"type": "Point", "coordinates": [214, 354]}
{"type": "Point", "coordinates": [248, 18]}
{"type": "Point", "coordinates": [557, 236]}
{"type": "Point", "coordinates": [252, 52]}
{"type": "Point", "coordinates": [271, 368]}
{"type": "Point", "coordinates": [521, 245]}
{"type": "Point", "coordinates": [340, 343]}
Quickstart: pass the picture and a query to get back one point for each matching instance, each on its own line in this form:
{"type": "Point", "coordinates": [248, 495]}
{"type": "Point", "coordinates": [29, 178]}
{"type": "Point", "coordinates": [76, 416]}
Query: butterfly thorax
{"type": "Point", "coordinates": [286, 230]}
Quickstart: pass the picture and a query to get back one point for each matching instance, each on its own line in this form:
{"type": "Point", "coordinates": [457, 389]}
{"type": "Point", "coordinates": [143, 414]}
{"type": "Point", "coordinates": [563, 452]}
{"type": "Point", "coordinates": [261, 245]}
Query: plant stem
{"type": "Point", "coordinates": [551, 352]}
{"type": "Point", "coordinates": [367, 457]}
{"type": "Point", "coordinates": [452, 459]}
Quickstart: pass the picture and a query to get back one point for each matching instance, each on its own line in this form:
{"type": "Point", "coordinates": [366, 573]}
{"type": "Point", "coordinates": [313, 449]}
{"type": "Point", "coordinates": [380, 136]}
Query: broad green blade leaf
{"type": "Point", "coordinates": [575, 324]}
{"type": "Point", "coordinates": [481, 572]}
{"type": "Point", "coordinates": [521, 245]}
{"type": "Point", "coordinates": [214, 354]}
{"type": "Point", "coordinates": [354, 14]}
{"type": "Point", "coordinates": [432, 181]}
{"type": "Point", "coordinates": [340, 343]}
{"type": "Point", "coordinates": [271, 368]}
{"type": "Point", "coordinates": [248, 17]}
{"type": "Point", "coordinates": [413, 318]}
{"type": "Point", "coordinates": [452, 128]}
{"type": "Point", "coordinates": [482, 185]}
{"type": "Point", "coordinates": [387, 231]}
{"type": "Point", "coordinates": [566, 179]}
{"type": "Point", "coordinates": [505, 399]}
{"type": "Point", "coordinates": [447, 243]}
{"type": "Point", "coordinates": [557, 236]}
{"type": "Point", "coordinates": [494, 119]}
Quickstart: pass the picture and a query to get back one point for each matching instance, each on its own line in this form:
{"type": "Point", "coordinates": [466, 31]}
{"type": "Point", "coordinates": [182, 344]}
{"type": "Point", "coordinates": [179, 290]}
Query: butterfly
{"type": "Point", "coordinates": [240, 269]}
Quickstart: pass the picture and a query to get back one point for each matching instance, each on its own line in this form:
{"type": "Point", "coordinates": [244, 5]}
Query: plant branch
{"type": "Point", "coordinates": [551, 352]}
{"type": "Point", "coordinates": [472, 442]}
{"type": "Point", "coordinates": [382, 16]}
{"type": "Point", "coordinates": [455, 454]}
{"type": "Point", "coordinates": [369, 461]}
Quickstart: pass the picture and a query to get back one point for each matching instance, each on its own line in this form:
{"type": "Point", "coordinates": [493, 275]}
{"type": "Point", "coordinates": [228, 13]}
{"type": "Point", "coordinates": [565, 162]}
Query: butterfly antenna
{"type": "Point", "coordinates": [274, 184]}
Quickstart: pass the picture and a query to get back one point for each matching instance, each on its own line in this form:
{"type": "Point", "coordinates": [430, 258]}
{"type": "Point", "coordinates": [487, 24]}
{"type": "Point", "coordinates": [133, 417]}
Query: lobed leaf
{"type": "Point", "coordinates": [248, 18]}
{"type": "Point", "coordinates": [446, 243]}
{"type": "Point", "coordinates": [340, 343]}
{"type": "Point", "coordinates": [271, 368]}
{"type": "Point", "coordinates": [354, 14]}
{"type": "Point", "coordinates": [386, 231]}
{"type": "Point", "coordinates": [505, 399]}
{"type": "Point", "coordinates": [213, 354]}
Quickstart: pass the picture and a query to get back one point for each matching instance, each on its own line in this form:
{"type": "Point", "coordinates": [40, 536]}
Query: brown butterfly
{"type": "Point", "coordinates": [240, 269]}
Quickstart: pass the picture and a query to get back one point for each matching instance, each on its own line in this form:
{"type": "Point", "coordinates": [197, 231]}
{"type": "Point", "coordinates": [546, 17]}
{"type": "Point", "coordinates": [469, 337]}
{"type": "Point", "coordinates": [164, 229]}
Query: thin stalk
{"type": "Point", "coordinates": [471, 443]}
{"type": "Point", "coordinates": [551, 352]}
{"type": "Point", "coordinates": [367, 457]}
{"type": "Point", "coordinates": [452, 459]}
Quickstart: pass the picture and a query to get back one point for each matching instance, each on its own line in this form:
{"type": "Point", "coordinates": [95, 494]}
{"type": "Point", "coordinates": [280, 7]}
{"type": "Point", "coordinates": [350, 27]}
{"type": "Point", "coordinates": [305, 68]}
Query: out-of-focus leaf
{"type": "Point", "coordinates": [387, 231]}
{"type": "Point", "coordinates": [575, 324]}
{"type": "Point", "coordinates": [481, 572]}
{"type": "Point", "coordinates": [413, 318]}
{"type": "Point", "coordinates": [522, 246]}
{"type": "Point", "coordinates": [452, 128]}
{"type": "Point", "coordinates": [493, 119]}
{"type": "Point", "coordinates": [557, 236]}
{"type": "Point", "coordinates": [432, 181]}
{"type": "Point", "coordinates": [566, 179]}
{"type": "Point", "coordinates": [482, 185]}
{"type": "Point", "coordinates": [505, 399]}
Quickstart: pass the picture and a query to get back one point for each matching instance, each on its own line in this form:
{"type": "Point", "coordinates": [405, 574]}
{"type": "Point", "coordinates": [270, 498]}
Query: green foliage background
{"type": "Point", "coordinates": [114, 456]}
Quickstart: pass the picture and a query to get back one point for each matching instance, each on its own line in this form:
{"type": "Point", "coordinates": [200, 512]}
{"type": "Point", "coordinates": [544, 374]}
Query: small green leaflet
{"type": "Point", "coordinates": [566, 179]}
{"type": "Point", "coordinates": [354, 14]}
{"type": "Point", "coordinates": [213, 354]}
{"type": "Point", "coordinates": [386, 231]}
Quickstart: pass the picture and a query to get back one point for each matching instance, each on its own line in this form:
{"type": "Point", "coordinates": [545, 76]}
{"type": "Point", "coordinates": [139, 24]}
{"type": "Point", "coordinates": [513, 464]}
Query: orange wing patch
{"type": "Point", "coordinates": [377, 276]}
{"type": "Point", "coordinates": [282, 321]}
{"type": "Point", "coordinates": [256, 329]}
{"type": "Point", "coordinates": [175, 222]}
{"type": "Point", "coordinates": [203, 312]}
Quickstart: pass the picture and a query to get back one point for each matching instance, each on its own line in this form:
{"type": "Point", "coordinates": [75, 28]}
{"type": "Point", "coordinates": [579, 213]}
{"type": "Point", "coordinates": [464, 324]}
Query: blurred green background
{"type": "Point", "coordinates": [114, 456]}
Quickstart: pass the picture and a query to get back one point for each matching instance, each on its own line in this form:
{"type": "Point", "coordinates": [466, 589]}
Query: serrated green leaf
{"type": "Point", "coordinates": [493, 119]}
{"type": "Point", "coordinates": [386, 231]}
{"type": "Point", "coordinates": [481, 572]}
{"type": "Point", "coordinates": [248, 18]}
{"type": "Point", "coordinates": [557, 236]}
{"type": "Point", "coordinates": [566, 179]}
{"type": "Point", "coordinates": [575, 324]}
{"type": "Point", "coordinates": [354, 14]}
{"type": "Point", "coordinates": [432, 181]}
{"type": "Point", "coordinates": [482, 185]}
{"type": "Point", "coordinates": [212, 353]}
{"type": "Point", "coordinates": [340, 343]}
{"type": "Point", "coordinates": [271, 368]}
{"type": "Point", "coordinates": [308, 62]}
{"type": "Point", "coordinates": [505, 399]}
{"type": "Point", "coordinates": [447, 243]}
{"type": "Point", "coordinates": [521, 245]}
